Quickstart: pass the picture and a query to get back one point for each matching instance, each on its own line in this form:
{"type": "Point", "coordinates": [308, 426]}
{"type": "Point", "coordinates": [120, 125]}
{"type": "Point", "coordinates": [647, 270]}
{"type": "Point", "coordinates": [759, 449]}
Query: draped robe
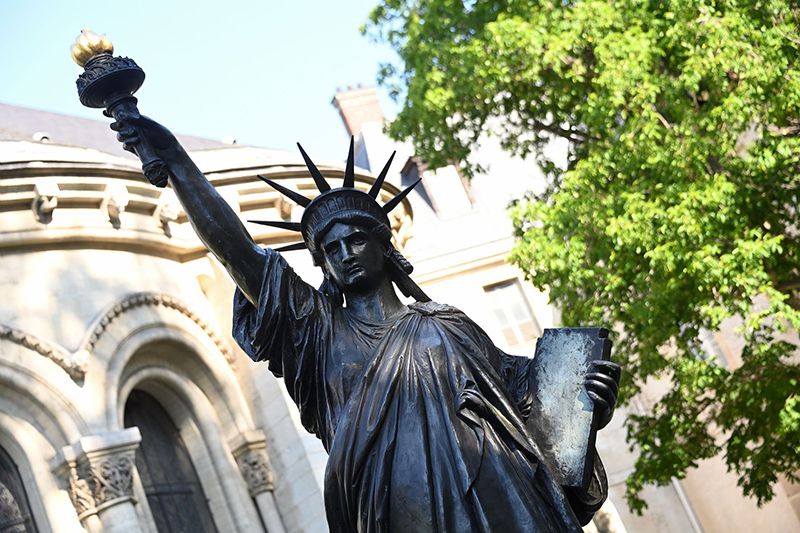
{"type": "Point", "coordinates": [421, 414]}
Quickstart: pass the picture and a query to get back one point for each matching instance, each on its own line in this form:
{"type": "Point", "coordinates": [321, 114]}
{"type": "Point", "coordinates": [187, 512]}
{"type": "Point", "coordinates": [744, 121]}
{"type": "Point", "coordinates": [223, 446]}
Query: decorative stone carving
{"type": "Point", "coordinates": [73, 364]}
{"type": "Point", "coordinates": [45, 200]}
{"type": "Point", "coordinates": [250, 452]}
{"type": "Point", "coordinates": [100, 470]}
{"type": "Point", "coordinates": [80, 493]}
{"type": "Point", "coordinates": [284, 208]}
{"type": "Point", "coordinates": [167, 211]}
{"type": "Point", "coordinates": [153, 299]}
{"type": "Point", "coordinates": [111, 478]}
{"type": "Point", "coordinates": [115, 202]}
{"type": "Point", "coordinates": [401, 228]}
{"type": "Point", "coordinates": [256, 471]}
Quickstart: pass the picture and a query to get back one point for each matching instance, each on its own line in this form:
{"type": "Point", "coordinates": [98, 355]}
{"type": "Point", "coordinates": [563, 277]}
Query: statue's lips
{"type": "Point", "coordinates": [355, 270]}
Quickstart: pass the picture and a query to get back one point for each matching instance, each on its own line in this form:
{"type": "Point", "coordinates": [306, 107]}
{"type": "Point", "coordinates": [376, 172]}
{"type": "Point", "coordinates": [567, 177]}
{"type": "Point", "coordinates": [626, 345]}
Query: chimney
{"type": "Point", "coordinates": [357, 106]}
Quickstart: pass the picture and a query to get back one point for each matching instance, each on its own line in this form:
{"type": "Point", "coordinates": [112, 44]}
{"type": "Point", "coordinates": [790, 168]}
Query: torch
{"type": "Point", "coordinates": [108, 82]}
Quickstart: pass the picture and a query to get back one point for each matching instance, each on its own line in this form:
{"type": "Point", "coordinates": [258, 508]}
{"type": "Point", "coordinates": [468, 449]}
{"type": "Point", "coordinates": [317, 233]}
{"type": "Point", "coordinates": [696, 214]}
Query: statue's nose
{"type": "Point", "coordinates": [347, 253]}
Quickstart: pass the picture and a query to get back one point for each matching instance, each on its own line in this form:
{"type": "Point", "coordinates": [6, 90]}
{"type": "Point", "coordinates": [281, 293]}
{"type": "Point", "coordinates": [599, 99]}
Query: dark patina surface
{"type": "Point", "coordinates": [427, 423]}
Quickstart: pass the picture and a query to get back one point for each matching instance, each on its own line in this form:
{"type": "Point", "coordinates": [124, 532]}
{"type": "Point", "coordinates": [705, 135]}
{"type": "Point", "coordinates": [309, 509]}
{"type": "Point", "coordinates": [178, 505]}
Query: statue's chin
{"type": "Point", "coordinates": [357, 283]}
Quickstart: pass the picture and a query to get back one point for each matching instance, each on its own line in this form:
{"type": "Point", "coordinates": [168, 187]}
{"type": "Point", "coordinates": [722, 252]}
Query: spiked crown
{"type": "Point", "coordinates": [342, 204]}
{"type": "Point", "coordinates": [350, 205]}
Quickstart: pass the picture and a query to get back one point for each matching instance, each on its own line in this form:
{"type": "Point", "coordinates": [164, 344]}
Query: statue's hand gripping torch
{"type": "Point", "coordinates": [109, 82]}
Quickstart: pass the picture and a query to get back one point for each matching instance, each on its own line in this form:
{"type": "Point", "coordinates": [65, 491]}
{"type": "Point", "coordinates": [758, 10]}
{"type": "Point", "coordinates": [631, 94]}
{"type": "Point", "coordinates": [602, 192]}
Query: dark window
{"type": "Point", "coordinates": [170, 481]}
{"type": "Point", "coordinates": [15, 513]}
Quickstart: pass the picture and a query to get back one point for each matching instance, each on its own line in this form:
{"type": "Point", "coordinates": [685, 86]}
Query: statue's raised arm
{"type": "Point", "coordinates": [108, 82]}
{"type": "Point", "coordinates": [217, 225]}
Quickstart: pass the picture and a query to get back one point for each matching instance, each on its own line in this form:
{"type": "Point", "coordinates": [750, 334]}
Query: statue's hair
{"type": "Point", "coordinates": [331, 289]}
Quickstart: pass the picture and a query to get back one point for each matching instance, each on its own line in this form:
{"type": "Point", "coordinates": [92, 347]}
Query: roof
{"type": "Point", "coordinates": [22, 123]}
{"type": "Point", "coordinates": [75, 139]}
{"type": "Point", "coordinates": [22, 152]}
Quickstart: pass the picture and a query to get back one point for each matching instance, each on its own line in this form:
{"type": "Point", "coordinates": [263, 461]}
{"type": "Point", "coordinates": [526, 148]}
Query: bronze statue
{"type": "Point", "coordinates": [423, 417]}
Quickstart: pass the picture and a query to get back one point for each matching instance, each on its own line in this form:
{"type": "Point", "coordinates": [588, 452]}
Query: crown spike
{"type": "Point", "coordinates": [375, 190]}
{"type": "Point", "coordinates": [292, 247]}
{"type": "Point", "coordinates": [294, 196]}
{"type": "Point", "coordinates": [291, 226]}
{"type": "Point", "coordinates": [319, 179]}
{"type": "Point", "coordinates": [349, 172]}
{"type": "Point", "coordinates": [391, 204]}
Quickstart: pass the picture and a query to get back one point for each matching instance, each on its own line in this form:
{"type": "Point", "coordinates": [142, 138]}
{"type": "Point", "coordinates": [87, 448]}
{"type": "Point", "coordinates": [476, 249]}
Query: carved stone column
{"type": "Point", "coordinates": [80, 493]}
{"type": "Point", "coordinates": [102, 483]}
{"type": "Point", "coordinates": [250, 452]}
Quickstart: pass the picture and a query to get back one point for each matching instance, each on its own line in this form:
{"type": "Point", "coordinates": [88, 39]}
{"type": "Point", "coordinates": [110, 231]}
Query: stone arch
{"type": "Point", "coordinates": [201, 423]}
{"type": "Point", "coordinates": [33, 453]}
{"type": "Point", "coordinates": [198, 424]}
{"type": "Point", "coordinates": [30, 396]}
{"type": "Point", "coordinates": [159, 330]}
{"type": "Point", "coordinates": [39, 417]}
{"type": "Point", "coordinates": [152, 300]}
{"type": "Point", "coordinates": [175, 349]}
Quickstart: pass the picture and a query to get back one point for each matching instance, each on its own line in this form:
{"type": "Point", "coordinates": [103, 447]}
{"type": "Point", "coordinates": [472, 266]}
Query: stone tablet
{"type": "Point", "coordinates": [562, 414]}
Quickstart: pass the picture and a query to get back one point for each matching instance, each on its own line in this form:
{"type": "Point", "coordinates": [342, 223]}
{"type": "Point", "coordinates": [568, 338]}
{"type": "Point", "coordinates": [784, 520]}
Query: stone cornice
{"type": "Point", "coordinates": [109, 206]}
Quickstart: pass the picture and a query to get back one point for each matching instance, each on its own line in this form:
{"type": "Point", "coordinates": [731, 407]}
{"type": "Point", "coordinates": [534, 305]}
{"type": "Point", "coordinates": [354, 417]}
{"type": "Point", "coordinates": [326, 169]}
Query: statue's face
{"type": "Point", "coordinates": [354, 257]}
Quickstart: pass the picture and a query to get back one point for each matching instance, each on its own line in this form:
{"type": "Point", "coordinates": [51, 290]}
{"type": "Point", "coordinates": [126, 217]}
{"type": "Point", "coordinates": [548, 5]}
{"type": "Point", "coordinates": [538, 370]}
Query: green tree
{"type": "Point", "coordinates": [678, 207]}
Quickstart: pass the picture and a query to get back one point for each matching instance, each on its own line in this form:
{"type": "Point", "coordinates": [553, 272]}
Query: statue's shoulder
{"type": "Point", "coordinates": [435, 309]}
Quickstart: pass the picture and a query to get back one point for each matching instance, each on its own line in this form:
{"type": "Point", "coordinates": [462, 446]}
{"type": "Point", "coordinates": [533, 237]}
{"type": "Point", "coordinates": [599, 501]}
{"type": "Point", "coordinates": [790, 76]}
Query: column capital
{"type": "Point", "coordinates": [250, 451]}
{"type": "Point", "coordinates": [106, 462]}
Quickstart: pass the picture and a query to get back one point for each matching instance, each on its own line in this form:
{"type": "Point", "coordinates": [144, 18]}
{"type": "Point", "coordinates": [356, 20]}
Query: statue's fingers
{"type": "Point", "coordinates": [126, 134]}
{"type": "Point", "coordinates": [608, 367]}
{"type": "Point", "coordinates": [126, 116]}
{"type": "Point", "coordinates": [130, 144]}
{"type": "Point", "coordinates": [599, 401]}
{"type": "Point", "coordinates": [124, 131]}
{"type": "Point", "coordinates": [608, 393]}
{"type": "Point", "coordinates": [602, 378]}
{"type": "Point", "coordinates": [605, 366]}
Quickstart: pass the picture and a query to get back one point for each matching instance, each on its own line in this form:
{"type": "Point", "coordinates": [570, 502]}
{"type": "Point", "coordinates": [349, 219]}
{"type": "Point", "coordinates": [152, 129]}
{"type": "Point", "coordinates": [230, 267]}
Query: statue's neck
{"type": "Point", "coordinates": [379, 303]}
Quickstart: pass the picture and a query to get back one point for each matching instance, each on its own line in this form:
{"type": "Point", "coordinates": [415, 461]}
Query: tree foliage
{"type": "Point", "coordinates": [678, 207]}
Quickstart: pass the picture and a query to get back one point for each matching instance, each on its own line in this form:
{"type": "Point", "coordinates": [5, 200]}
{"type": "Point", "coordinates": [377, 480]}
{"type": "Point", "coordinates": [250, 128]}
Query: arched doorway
{"type": "Point", "coordinates": [170, 482]}
{"type": "Point", "coordinates": [15, 513]}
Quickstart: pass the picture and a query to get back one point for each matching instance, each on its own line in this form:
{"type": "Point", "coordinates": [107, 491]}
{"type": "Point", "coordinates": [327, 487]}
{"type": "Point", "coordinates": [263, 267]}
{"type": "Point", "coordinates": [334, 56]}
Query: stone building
{"type": "Point", "coordinates": [124, 403]}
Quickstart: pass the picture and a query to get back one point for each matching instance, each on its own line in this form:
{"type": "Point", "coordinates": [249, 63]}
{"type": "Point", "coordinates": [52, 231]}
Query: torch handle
{"type": "Point", "coordinates": [153, 167]}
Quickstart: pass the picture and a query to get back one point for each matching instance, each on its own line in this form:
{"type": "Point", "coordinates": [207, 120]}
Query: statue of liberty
{"type": "Point", "coordinates": [425, 420]}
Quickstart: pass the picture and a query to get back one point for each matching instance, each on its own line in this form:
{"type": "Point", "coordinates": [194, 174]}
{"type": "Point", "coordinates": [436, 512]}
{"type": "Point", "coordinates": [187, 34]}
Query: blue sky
{"type": "Point", "coordinates": [263, 72]}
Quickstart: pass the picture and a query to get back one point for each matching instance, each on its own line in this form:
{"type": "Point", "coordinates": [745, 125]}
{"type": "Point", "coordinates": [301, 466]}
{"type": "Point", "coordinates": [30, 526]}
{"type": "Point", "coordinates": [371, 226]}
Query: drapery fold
{"type": "Point", "coordinates": [422, 416]}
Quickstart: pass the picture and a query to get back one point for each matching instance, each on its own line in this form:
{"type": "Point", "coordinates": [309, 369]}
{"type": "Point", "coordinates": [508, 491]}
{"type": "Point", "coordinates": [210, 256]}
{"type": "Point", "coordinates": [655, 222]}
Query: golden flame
{"type": "Point", "coordinates": [89, 44]}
